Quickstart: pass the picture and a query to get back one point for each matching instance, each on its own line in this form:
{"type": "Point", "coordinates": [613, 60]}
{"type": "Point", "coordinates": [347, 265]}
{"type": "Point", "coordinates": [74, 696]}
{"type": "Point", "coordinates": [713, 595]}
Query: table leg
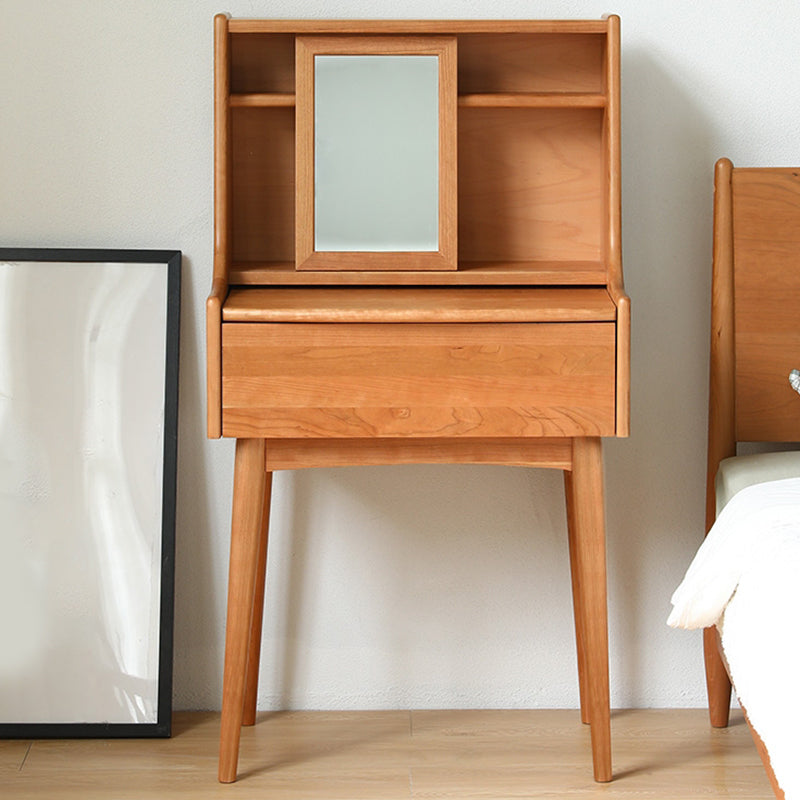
{"type": "Point", "coordinates": [249, 484]}
{"type": "Point", "coordinates": [589, 565]}
{"type": "Point", "coordinates": [718, 683]}
{"type": "Point", "coordinates": [254, 649]}
{"type": "Point", "coordinates": [577, 598]}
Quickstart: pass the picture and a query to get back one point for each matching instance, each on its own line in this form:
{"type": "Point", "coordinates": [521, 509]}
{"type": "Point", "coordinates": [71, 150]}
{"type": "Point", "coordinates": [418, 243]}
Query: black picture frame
{"type": "Point", "coordinates": [161, 725]}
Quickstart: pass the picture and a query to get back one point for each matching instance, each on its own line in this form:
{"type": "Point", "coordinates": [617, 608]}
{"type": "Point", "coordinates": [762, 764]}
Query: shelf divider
{"type": "Point", "coordinates": [532, 100]}
{"type": "Point", "coordinates": [262, 100]}
{"type": "Point", "coordinates": [471, 100]}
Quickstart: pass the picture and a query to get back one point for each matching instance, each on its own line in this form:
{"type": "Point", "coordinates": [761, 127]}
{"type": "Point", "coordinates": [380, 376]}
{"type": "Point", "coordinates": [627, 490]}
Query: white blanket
{"type": "Point", "coordinates": [745, 579]}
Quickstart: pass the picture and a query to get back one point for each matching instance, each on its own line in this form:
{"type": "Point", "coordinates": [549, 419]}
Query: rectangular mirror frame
{"type": "Point", "coordinates": [104, 719]}
{"type": "Point", "coordinates": [306, 257]}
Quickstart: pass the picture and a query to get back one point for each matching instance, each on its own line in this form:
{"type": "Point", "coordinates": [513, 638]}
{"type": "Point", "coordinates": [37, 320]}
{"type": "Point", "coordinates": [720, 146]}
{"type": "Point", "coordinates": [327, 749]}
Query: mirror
{"type": "Point", "coordinates": [375, 153]}
{"type": "Point", "coordinates": [88, 421]}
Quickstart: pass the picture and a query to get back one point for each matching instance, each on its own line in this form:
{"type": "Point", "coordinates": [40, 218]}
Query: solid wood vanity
{"type": "Point", "coordinates": [505, 343]}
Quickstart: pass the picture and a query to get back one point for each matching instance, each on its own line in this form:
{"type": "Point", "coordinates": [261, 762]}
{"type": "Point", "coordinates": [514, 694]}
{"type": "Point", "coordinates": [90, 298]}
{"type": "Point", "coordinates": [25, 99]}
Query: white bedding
{"type": "Point", "coordinates": [745, 579]}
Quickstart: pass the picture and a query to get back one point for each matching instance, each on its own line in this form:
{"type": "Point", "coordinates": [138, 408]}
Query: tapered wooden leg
{"type": "Point", "coordinates": [577, 598]}
{"type": "Point", "coordinates": [718, 683]}
{"type": "Point", "coordinates": [249, 480]}
{"type": "Point", "coordinates": [254, 650]}
{"type": "Point", "coordinates": [589, 566]}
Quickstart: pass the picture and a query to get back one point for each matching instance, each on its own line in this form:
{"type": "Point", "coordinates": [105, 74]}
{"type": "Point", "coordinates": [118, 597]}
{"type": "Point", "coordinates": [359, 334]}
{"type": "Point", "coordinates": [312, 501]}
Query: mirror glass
{"type": "Point", "coordinates": [82, 387]}
{"type": "Point", "coordinates": [376, 153]}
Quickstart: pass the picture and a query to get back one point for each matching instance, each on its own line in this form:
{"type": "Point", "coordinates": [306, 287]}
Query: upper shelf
{"type": "Point", "coordinates": [471, 100]}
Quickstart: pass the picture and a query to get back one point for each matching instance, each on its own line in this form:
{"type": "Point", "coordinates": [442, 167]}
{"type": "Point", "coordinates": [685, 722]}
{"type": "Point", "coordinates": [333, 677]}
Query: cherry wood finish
{"type": "Point", "coordinates": [256, 623]}
{"type": "Point", "coordinates": [469, 273]}
{"type": "Point", "coordinates": [755, 341]}
{"type": "Point", "coordinates": [249, 487]}
{"type": "Point", "coordinates": [721, 415]}
{"type": "Point", "coordinates": [519, 355]}
{"type": "Point", "coordinates": [357, 381]}
{"type": "Point", "coordinates": [766, 242]}
{"type": "Point", "coordinates": [585, 515]}
{"type": "Point", "coordinates": [418, 305]}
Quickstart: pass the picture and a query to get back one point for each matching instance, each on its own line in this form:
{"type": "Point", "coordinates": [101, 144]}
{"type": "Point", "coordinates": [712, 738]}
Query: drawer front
{"type": "Point", "coordinates": [284, 380]}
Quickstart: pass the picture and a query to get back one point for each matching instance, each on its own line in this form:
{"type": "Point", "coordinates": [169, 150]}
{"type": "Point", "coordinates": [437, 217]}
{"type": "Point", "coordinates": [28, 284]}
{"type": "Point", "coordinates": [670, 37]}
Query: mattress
{"type": "Point", "coordinates": [745, 578]}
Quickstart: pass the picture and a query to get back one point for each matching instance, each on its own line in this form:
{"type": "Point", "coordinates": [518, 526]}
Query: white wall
{"type": "Point", "coordinates": [414, 586]}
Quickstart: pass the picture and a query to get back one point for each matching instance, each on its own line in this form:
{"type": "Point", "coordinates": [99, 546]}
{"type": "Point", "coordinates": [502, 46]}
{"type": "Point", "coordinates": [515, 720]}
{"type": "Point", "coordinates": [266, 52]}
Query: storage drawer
{"type": "Point", "coordinates": [418, 380]}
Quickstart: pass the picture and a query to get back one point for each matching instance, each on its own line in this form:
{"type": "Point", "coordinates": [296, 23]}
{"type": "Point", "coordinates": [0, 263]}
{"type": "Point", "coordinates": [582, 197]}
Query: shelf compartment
{"type": "Point", "coordinates": [531, 62]}
{"type": "Point", "coordinates": [262, 175]}
{"type": "Point", "coordinates": [530, 184]}
{"type": "Point", "coordinates": [262, 62]}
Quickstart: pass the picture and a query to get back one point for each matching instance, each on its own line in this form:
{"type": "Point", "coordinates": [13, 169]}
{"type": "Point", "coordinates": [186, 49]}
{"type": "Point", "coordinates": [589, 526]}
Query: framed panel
{"type": "Point", "coordinates": [88, 422]}
{"type": "Point", "coordinates": [375, 153]}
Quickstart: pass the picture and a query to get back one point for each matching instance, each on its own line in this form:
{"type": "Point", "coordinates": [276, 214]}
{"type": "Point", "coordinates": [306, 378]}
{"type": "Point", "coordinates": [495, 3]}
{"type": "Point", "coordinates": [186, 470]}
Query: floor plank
{"type": "Point", "coordinates": [400, 754]}
{"type": "Point", "coordinates": [12, 755]}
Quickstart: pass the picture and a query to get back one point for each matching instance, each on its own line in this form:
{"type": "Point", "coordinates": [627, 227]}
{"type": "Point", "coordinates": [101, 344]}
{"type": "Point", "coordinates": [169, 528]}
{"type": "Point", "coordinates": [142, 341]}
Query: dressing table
{"type": "Point", "coordinates": [455, 298]}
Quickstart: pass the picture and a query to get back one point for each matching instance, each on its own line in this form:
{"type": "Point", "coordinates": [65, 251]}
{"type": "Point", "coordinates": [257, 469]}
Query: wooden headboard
{"type": "Point", "coordinates": [757, 294]}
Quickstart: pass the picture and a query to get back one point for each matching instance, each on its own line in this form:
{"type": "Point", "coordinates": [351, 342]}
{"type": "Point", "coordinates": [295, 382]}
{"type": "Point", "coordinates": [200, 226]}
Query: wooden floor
{"type": "Point", "coordinates": [399, 754]}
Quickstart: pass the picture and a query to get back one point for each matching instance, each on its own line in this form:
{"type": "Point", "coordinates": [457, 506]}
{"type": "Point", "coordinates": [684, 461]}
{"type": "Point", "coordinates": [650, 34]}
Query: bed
{"type": "Point", "coordinates": [742, 585]}
{"type": "Point", "coordinates": [744, 581]}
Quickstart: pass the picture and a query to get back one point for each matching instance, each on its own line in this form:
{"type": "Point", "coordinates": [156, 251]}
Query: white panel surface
{"type": "Point", "coordinates": [82, 349]}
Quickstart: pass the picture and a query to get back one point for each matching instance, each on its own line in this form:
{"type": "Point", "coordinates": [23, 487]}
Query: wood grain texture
{"type": "Point", "coordinates": [304, 453]}
{"type": "Point", "coordinates": [214, 304]}
{"type": "Point", "coordinates": [491, 100]}
{"type": "Point", "coordinates": [721, 408]}
{"type": "Point", "coordinates": [419, 374]}
{"type": "Point", "coordinates": [222, 148]}
{"type": "Point", "coordinates": [766, 248]}
{"type": "Point", "coordinates": [532, 100]}
{"type": "Point", "coordinates": [578, 602]}
{"type": "Point", "coordinates": [262, 100]}
{"type": "Point", "coordinates": [411, 26]}
{"type": "Point", "coordinates": [530, 184]}
{"type": "Point", "coordinates": [469, 273]}
{"type": "Point", "coordinates": [249, 484]}
{"type": "Point", "coordinates": [222, 228]}
{"type": "Point", "coordinates": [612, 245]}
{"type": "Point", "coordinates": [755, 340]}
{"type": "Point", "coordinates": [308, 380]}
{"type": "Point", "coordinates": [623, 385]}
{"type": "Point", "coordinates": [612, 154]}
{"type": "Point", "coordinates": [404, 305]}
{"type": "Point", "coordinates": [660, 754]}
{"type": "Point", "coordinates": [256, 624]}
{"type": "Point", "coordinates": [493, 63]}
{"type": "Point", "coordinates": [263, 181]}
{"type": "Point", "coordinates": [261, 62]}
{"type": "Point", "coordinates": [588, 560]}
